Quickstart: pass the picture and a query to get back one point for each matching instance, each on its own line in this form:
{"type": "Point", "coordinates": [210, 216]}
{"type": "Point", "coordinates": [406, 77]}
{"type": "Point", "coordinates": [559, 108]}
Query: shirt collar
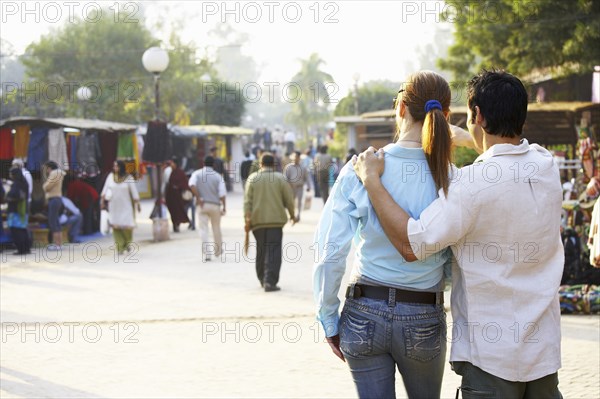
{"type": "Point", "coordinates": [504, 149]}
{"type": "Point", "coordinates": [396, 150]}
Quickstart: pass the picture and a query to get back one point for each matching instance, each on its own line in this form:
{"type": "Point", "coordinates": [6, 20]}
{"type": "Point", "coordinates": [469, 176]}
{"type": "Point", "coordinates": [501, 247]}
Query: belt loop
{"type": "Point", "coordinates": [391, 297]}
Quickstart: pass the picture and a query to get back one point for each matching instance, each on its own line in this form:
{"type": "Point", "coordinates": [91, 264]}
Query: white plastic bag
{"type": "Point", "coordinates": [104, 225]}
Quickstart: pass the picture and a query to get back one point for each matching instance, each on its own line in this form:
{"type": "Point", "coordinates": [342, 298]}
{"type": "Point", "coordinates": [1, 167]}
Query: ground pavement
{"type": "Point", "coordinates": [162, 323]}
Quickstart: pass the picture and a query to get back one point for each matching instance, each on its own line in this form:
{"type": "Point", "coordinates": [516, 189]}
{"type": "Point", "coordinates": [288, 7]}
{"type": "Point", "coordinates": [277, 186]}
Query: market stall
{"type": "Point", "coordinates": [84, 148]}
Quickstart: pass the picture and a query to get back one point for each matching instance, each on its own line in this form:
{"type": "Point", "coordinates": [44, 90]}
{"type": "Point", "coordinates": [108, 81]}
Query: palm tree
{"type": "Point", "coordinates": [309, 106]}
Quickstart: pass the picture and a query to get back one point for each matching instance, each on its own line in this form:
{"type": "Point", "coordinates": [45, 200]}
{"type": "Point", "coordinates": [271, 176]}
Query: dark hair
{"type": "Point", "coordinates": [209, 161]}
{"type": "Point", "coordinates": [502, 101]}
{"type": "Point", "coordinates": [323, 149]}
{"type": "Point", "coordinates": [52, 165]}
{"type": "Point", "coordinates": [213, 149]}
{"type": "Point", "coordinates": [267, 159]}
{"type": "Point", "coordinates": [122, 169]}
{"type": "Point", "coordinates": [16, 175]}
{"type": "Point", "coordinates": [424, 86]}
{"type": "Point", "coordinates": [176, 161]}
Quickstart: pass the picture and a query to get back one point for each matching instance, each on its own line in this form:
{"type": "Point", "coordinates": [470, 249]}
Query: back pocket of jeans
{"type": "Point", "coordinates": [423, 342]}
{"type": "Point", "coordinates": [356, 335]}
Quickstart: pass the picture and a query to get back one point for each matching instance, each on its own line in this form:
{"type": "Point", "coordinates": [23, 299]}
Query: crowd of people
{"type": "Point", "coordinates": [71, 211]}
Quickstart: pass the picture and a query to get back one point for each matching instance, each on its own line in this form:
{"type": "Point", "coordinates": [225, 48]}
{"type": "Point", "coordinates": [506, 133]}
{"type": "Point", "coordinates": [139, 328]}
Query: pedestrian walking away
{"type": "Point", "coordinates": [210, 192]}
{"type": "Point", "coordinates": [298, 177]}
{"type": "Point", "coordinates": [393, 316]}
{"type": "Point", "coordinates": [175, 187]}
{"type": "Point", "coordinates": [267, 198]}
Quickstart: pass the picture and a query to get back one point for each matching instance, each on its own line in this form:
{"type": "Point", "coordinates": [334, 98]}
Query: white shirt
{"type": "Point", "coordinates": [290, 136]}
{"type": "Point", "coordinates": [502, 221]}
{"type": "Point", "coordinates": [29, 179]}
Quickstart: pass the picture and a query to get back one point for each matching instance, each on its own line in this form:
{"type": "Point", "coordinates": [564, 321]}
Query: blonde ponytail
{"type": "Point", "coordinates": [437, 145]}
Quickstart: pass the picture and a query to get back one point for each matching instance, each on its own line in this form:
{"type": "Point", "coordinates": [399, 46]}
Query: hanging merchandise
{"type": "Point", "coordinates": [125, 146]}
{"type": "Point", "coordinates": [88, 153]}
{"type": "Point", "coordinates": [157, 146]}
{"type": "Point", "coordinates": [57, 148]}
{"type": "Point", "coordinates": [108, 146]}
{"type": "Point", "coordinates": [21, 141]}
{"type": "Point", "coordinates": [6, 144]}
{"type": "Point", "coordinates": [37, 153]}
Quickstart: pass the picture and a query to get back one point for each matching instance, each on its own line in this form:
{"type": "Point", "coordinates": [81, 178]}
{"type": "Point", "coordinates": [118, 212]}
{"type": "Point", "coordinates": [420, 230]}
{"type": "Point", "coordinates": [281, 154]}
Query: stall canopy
{"type": "Point", "coordinates": [75, 123]}
{"type": "Point", "coordinates": [213, 129]}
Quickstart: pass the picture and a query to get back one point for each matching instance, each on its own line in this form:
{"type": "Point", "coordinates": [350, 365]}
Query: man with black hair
{"type": "Point", "coordinates": [209, 189]}
{"type": "Point", "coordinates": [219, 167]}
{"type": "Point", "coordinates": [501, 218]}
{"type": "Point", "coordinates": [268, 195]}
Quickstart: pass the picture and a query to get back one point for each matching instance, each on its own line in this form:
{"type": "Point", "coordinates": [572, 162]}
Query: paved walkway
{"type": "Point", "coordinates": [162, 323]}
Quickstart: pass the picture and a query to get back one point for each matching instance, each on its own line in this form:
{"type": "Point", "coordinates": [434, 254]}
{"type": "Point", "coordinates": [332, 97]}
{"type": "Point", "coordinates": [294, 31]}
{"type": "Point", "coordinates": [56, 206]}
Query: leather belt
{"type": "Point", "coordinates": [356, 291]}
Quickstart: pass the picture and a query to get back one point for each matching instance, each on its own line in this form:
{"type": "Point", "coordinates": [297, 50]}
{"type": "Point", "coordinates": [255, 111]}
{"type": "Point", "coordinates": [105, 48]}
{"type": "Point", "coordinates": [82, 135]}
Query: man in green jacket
{"type": "Point", "coordinates": [267, 197]}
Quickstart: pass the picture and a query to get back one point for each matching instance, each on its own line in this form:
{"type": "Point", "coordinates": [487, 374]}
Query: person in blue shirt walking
{"type": "Point", "coordinates": [393, 315]}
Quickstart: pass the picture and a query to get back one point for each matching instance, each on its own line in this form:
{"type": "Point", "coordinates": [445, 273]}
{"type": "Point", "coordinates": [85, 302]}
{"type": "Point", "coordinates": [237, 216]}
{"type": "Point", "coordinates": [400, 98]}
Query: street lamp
{"type": "Point", "coordinates": [84, 94]}
{"type": "Point", "coordinates": [155, 61]}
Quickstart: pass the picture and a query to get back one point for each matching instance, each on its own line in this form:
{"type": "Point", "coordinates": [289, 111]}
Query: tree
{"type": "Point", "coordinates": [553, 36]}
{"type": "Point", "coordinates": [309, 95]}
{"type": "Point", "coordinates": [106, 56]}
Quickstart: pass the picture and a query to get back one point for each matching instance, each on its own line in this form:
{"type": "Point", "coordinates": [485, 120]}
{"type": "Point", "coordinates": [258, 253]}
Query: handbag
{"type": "Point", "coordinates": [187, 195]}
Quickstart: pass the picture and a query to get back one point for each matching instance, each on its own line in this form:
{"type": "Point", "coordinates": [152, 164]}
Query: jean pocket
{"type": "Point", "coordinates": [356, 335]}
{"type": "Point", "coordinates": [423, 342]}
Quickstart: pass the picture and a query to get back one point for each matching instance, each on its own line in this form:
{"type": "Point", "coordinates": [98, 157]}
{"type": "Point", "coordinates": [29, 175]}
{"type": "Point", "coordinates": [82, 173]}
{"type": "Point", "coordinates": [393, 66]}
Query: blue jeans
{"type": "Point", "coordinates": [377, 336]}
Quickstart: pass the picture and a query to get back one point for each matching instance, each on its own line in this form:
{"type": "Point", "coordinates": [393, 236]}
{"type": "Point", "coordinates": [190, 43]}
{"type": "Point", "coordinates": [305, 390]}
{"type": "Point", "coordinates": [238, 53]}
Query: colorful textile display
{"type": "Point", "coordinates": [37, 153]}
{"type": "Point", "coordinates": [582, 298]}
{"type": "Point", "coordinates": [57, 148]}
{"type": "Point", "coordinates": [6, 143]}
{"type": "Point", "coordinates": [88, 153]}
{"type": "Point", "coordinates": [21, 141]}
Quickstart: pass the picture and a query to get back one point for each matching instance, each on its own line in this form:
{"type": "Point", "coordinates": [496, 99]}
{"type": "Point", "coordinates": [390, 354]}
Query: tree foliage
{"type": "Point", "coordinates": [555, 36]}
{"type": "Point", "coordinates": [106, 56]}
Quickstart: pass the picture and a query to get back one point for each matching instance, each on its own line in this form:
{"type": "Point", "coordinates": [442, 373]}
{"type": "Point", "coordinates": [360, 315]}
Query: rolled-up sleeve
{"type": "Point", "coordinates": [443, 223]}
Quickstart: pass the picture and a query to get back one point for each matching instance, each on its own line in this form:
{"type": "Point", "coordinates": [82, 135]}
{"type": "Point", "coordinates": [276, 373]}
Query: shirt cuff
{"type": "Point", "coordinates": [330, 326]}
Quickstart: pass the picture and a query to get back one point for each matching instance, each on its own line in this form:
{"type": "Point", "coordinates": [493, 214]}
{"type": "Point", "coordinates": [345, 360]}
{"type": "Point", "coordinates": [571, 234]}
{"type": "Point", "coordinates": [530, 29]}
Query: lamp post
{"type": "Point", "coordinates": [84, 94]}
{"type": "Point", "coordinates": [155, 61]}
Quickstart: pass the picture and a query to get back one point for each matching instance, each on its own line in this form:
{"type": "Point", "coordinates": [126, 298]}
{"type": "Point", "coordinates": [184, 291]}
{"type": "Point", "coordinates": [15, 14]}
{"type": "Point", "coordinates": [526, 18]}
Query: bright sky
{"type": "Point", "coordinates": [375, 39]}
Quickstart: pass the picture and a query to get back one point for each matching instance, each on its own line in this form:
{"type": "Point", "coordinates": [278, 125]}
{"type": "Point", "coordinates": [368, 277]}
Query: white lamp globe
{"type": "Point", "coordinates": [155, 60]}
{"type": "Point", "coordinates": [84, 93]}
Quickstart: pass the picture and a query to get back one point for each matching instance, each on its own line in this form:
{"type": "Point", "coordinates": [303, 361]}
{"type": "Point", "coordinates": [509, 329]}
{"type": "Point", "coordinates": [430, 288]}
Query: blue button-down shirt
{"type": "Point", "coordinates": [348, 215]}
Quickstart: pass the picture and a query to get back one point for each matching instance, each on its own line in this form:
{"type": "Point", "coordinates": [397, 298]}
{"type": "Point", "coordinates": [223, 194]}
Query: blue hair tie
{"type": "Point", "coordinates": [431, 105]}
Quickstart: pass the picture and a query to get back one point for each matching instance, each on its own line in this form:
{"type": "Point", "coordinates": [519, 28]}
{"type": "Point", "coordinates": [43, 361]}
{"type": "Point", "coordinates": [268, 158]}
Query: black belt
{"type": "Point", "coordinates": [356, 291]}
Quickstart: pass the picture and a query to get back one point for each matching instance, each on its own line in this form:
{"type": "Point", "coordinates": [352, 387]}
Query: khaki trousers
{"type": "Point", "coordinates": [210, 212]}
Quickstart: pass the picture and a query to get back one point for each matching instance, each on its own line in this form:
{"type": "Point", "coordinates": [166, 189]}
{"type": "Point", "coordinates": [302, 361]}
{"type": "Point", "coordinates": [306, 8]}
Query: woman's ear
{"type": "Point", "coordinates": [402, 109]}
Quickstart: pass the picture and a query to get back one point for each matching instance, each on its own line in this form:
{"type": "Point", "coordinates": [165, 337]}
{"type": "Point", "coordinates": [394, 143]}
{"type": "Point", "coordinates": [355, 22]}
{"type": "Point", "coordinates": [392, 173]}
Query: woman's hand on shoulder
{"type": "Point", "coordinates": [369, 165]}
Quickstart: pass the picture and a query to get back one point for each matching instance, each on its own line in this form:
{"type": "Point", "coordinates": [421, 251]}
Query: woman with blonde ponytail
{"type": "Point", "coordinates": [393, 316]}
